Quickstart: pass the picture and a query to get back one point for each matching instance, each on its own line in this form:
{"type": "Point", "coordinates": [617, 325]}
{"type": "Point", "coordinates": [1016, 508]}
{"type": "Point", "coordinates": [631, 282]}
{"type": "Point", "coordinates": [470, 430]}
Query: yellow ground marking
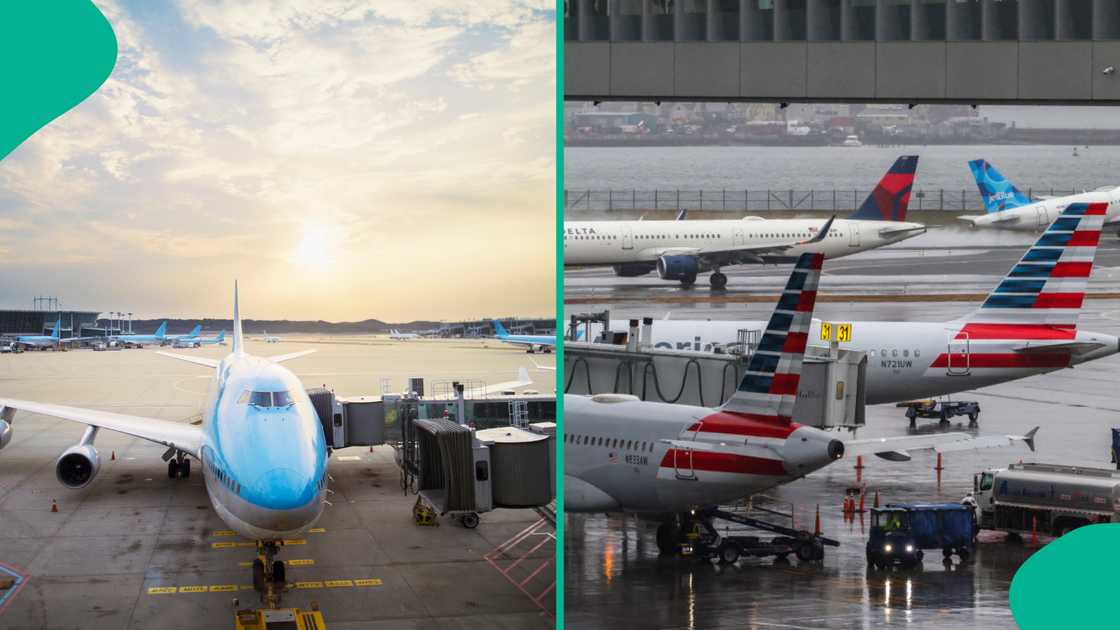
{"type": "Point", "coordinates": [161, 590]}
{"type": "Point", "coordinates": [305, 562]}
{"type": "Point", "coordinates": [309, 585]}
{"type": "Point", "coordinates": [231, 588]}
{"type": "Point", "coordinates": [225, 532]}
{"type": "Point", "coordinates": [317, 530]}
{"type": "Point", "coordinates": [223, 588]}
{"type": "Point", "coordinates": [338, 583]}
{"type": "Point", "coordinates": [369, 582]}
{"type": "Point", "coordinates": [192, 589]}
{"type": "Point", "coordinates": [295, 541]}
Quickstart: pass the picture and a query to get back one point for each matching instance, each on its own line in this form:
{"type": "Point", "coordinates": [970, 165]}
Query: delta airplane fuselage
{"type": "Point", "coordinates": [590, 243]}
{"type": "Point", "coordinates": [263, 454]}
{"type": "Point", "coordinates": [909, 360]}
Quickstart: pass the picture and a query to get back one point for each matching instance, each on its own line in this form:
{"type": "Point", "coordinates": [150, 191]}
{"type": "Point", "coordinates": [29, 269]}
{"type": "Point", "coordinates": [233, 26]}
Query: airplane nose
{"type": "Point", "coordinates": [282, 489]}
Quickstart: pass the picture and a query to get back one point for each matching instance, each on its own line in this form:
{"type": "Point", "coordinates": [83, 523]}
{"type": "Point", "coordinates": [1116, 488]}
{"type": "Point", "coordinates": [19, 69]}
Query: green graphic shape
{"type": "Point", "coordinates": [1070, 583]}
{"type": "Point", "coordinates": [54, 54]}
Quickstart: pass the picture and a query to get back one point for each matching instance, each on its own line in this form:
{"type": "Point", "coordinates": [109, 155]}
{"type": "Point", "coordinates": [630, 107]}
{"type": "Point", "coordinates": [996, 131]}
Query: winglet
{"type": "Point", "coordinates": [682, 214]}
{"type": "Point", "coordinates": [1028, 439]}
{"type": "Point", "coordinates": [821, 233]}
{"type": "Point", "coordinates": [238, 347]}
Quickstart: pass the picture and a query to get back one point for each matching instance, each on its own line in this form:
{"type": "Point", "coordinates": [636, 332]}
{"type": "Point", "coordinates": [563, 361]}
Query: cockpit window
{"type": "Point", "coordinates": [266, 399]}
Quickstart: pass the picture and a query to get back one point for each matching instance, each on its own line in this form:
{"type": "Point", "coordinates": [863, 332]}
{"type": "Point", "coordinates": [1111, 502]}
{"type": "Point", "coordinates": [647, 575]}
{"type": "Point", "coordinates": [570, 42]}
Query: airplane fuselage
{"type": "Point", "coordinates": [589, 243]}
{"type": "Point", "coordinates": [908, 360]}
{"type": "Point", "coordinates": [618, 456]}
{"type": "Point", "coordinates": [1037, 216]}
{"type": "Point", "coordinates": [264, 464]}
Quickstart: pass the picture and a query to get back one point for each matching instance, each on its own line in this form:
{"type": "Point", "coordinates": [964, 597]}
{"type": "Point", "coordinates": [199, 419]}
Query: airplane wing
{"type": "Point", "coordinates": [522, 380]}
{"type": "Point", "coordinates": [280, 358]}
{"type": "Point", "coordinates": [1073, 347]}
{"type": "Point", "coordinates": [741, 254]}
{"type": "Point", "coordinates": [544, 367]}
{"type": "Point", "coordinates": [213, 363]}
{"type": "Point", "coordinates": [899, 449]}
{"type": "Point", "coordinates": [891, 231]}
{"type": "Point", "coordinates": [184, 437]}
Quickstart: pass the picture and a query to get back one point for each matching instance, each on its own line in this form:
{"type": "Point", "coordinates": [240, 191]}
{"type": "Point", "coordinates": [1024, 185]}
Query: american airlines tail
{"type": "Point", "coordinates": [238, 340]}
{"type": "Point", "coordinates": [768, 390]}
{"type": "Point", "coordinates": [1041, 297]}
{"type": "Point", "coordinates": [998, 193]}
{"type": "Point", "coordinates": [890, 199]}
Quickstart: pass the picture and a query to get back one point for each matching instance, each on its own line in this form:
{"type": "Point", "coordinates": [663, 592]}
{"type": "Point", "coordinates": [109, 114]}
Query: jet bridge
{"type": "Point", "coordinates": [831, 392]}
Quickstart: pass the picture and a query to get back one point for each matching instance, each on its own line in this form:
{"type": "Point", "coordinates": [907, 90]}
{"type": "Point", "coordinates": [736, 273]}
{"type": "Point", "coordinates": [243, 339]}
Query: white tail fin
{"type": "Point", "coordinates": [238, 345]}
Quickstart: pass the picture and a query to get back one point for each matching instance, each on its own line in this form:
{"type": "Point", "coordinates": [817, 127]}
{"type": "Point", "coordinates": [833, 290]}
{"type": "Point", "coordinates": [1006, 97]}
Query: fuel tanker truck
{"type": "Point", "coordinates": [1047, 498]}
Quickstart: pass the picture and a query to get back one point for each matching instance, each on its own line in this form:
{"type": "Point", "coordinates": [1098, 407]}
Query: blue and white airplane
{"type": "Point", "coordinates": [217, 340]}
{"type": "Point", "coordinates": [188, 338]}
{"type": "Point", "coordinates": [260, 445]}
{"type": "Point", "coordinates": [1008, 208]}
{"type": "Point", "coordinates": [158, 337]}
{"type": "Point", "coordinates": [532, 343]}
{"type": "Point", "coordinates": [52, 340]}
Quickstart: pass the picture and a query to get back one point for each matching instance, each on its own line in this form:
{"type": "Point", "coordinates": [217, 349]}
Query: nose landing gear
{"type": "Point", "coordinates": [269, 574]}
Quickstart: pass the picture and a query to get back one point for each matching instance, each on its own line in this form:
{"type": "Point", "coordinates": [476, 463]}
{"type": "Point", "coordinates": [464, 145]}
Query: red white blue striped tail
{"type": "Point", "coordinates": [1041, 297]}
{"type": "Point", "coordinates": [768, 390]}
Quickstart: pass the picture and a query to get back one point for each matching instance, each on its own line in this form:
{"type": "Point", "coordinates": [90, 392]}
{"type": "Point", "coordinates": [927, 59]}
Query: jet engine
{"type": "Point", "coordinates": [678, 267]}
{"type": "Point", "coordinates": [633, 270]}
{"type": "Point", "coordinates": [78, 466]}
{"type": "Point", "coordinates": [5, 433]}
{"type": "Point", "coordinates": [809, 448]}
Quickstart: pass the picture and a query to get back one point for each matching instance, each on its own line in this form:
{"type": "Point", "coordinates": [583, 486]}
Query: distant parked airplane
{"type": "Point", "coordinates": [158, 337]}
{"type": "Point", "coordinates": [53, 340]}
{"type": "Point", "coordinates": [532, 343]}
{"type": "Point", "coordinates": [397, 335]}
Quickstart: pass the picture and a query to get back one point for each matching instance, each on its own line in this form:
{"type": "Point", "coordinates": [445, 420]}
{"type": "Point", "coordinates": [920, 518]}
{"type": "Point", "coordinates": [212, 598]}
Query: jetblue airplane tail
{"type": "Point", "coordinates": [998, 193]}
{"type": "Point", "coordinates": [499, 329]}
{"type": "Point", "coordinates": [768, 390]}
{"type": "Point", "coordinates": [238, 345]}
{"type": "Point", "coordinates": [1040, 298]}
{"type": "Point", "coordinates": [889, 200]}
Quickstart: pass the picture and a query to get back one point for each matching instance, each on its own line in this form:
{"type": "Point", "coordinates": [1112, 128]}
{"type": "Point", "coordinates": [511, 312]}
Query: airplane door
{"type": "Point", "coordinates": [959, 363]}
{"type": "Point", "coordinates": [853, 236]}
{"type": "Point", "coordinates": [627, 238]}
{"type": "Point", "coordinates": [682, 464]}
{"type": "Point", "coordinates": [738, 238]}
{"type": "Point", "coordinates": [1043, 216]}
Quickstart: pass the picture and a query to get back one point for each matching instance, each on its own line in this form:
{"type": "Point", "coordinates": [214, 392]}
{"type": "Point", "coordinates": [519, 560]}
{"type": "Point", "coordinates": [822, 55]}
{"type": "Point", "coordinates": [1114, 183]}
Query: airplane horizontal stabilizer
{"type": "Point", "coordinates": [196, 360]}
{"type": "Point", "coordinates": [280, 358]}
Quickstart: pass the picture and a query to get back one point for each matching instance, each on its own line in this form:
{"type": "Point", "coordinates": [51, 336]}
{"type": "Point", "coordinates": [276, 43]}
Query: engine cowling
{"type": "Point", "coordinates": [77, 466]}
{"type": "Point", "coordinates": [5, 433]}
{"type": "Point", "coordinates": [677, 267]}
{"type": "Point", "coordinates": [633, 270]}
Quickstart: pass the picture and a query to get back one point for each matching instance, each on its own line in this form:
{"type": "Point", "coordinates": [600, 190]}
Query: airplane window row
{"type": "Point", "coordinates": [895, 353]}
{"type": "Point", "coordinates": [223, 478]}
{"type": "Point", "coordinates": [594, 440]}
{"type": "Point", "coordinates": [266, 399]}
{"type": "Point", "coordinates": [654, 237]}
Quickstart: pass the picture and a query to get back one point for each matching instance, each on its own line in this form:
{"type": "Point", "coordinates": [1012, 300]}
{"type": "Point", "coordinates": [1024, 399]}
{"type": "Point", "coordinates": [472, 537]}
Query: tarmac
{"type": "Point", "coordinates": [135, 549]}
{"type": "Point", "coordinates": [615, 577]}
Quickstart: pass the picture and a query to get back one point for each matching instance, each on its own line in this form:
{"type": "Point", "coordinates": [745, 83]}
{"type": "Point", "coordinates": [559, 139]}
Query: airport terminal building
{"type": "Point", "coordinates": [969, 51]}
{"type": "Point", "coordinates": [39, 322]}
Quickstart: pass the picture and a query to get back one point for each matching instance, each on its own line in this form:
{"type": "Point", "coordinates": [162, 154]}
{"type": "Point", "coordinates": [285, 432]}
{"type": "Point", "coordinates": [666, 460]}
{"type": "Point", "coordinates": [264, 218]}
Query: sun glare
{"type": "Point", "coordinates": [314, 251]}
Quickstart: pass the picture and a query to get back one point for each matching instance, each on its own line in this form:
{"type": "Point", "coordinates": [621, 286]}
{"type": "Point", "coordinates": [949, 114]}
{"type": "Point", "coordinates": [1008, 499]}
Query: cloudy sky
{"type": "Point", "coordinates": [344, 159]}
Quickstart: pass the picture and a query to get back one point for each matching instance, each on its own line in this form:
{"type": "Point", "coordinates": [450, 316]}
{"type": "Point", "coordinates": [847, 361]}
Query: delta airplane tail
{"type": "Point", "coordinates": [889, 200]}
{"type": "Point", "coordinates": [998, 193]}
{"type": "Point", "coordinates": [1041, 297]}
{"type": "Point", "coordinates": [768, 390]}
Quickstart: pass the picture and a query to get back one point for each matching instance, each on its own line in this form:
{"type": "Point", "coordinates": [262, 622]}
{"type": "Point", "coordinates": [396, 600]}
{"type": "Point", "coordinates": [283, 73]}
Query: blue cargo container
{"type": "Point", "coordinates": [899, 533]}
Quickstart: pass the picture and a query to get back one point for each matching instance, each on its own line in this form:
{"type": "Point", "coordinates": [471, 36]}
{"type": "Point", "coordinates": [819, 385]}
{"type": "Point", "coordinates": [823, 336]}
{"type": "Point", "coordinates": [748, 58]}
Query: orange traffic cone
{"type": "Point", "coordinates": [859, 462]}
{"type": "Point", "coordinates": [54, 505]}
{"type": "Point", "coordinates": [1034, 530]}
{"type": "Point", "coordinates": [113, 457]}
{"type": "Point", "coordinates": [861, 495]}
{"type": "Point", "coordinates": [371, 448]}
{"type": "Point", "coordinates": [939, 467]}
{"type": "Point", "coordinates": [876, 497]}
{"type": "Point", "coordinates": [817, 527]}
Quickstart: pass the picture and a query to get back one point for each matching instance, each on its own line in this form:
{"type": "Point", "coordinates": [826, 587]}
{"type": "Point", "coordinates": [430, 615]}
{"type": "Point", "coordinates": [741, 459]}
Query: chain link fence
{"type": "Point", "coordinates": [835, 199]}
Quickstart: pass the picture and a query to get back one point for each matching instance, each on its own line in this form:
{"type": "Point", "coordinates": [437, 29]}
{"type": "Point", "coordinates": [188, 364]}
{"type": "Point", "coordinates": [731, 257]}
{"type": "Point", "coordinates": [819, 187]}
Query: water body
{"type": "Point", "coordinates": [1039, 167]}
